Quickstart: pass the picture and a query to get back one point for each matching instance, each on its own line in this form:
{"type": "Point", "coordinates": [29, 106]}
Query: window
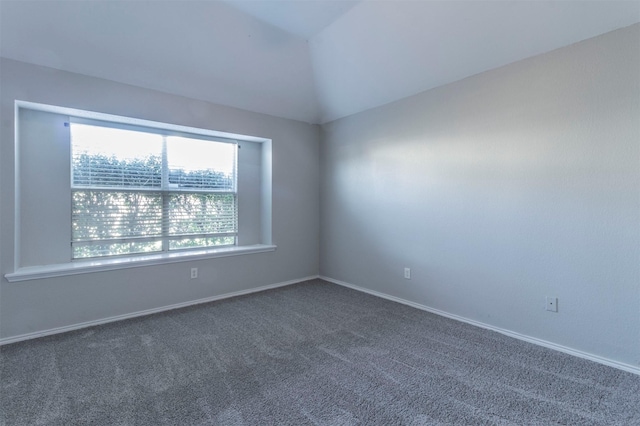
{"type": "Point", "coordinates": [100, 192]}
{"type": "Point", "coordinates": [142, 191]}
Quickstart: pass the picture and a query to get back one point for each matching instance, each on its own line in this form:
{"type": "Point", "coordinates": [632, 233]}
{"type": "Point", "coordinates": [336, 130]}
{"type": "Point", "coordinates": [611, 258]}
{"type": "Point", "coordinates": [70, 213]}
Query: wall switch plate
{"type": "Point", "coordinates": [552, 304]}
{"type": "Point", "coordinates": [194, 273]}
{"type": "Point", "coordinates": [407, 273]}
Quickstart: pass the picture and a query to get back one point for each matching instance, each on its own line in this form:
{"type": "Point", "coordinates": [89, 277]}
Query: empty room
{"type": "Point", "coordinates": [319, 212]}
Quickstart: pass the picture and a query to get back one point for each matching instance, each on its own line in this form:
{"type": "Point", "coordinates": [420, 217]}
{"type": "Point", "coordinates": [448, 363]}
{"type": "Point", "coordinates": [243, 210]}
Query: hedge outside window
{"type": "Point", "coordinates": [141, 191]}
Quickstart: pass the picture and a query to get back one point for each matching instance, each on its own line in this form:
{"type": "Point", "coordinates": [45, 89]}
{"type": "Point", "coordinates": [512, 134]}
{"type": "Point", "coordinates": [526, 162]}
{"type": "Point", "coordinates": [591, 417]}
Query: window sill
{"type": "Point", "coordinates": [88, 266]}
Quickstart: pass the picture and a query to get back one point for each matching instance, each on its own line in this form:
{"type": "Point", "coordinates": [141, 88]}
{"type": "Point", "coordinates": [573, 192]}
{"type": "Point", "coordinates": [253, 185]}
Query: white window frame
{"type": "Point", "coordinates": [24, 273]}
{"type": "Point", "coordinates": [165, 190]}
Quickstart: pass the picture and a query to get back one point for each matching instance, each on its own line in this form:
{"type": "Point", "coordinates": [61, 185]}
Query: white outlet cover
{"type": "Point", "coordinates": [551, 304]}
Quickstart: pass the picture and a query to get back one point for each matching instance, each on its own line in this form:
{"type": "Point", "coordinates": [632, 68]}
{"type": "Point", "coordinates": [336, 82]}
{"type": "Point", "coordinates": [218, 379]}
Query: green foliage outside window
{"type": "Point", "coordinates": [120, 207]}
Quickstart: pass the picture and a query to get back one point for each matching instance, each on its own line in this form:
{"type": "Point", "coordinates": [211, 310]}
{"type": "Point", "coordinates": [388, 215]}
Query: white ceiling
{"type": "Point", "coordinates": [309, 60]}
{"type": "Point", "coordinates": [304, 18]}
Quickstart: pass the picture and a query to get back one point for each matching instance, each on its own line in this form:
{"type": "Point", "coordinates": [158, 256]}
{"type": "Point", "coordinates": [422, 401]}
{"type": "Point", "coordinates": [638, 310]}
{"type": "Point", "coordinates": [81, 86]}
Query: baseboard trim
{"type": "Point", "coordinates": [611, 363]}
{"type": "Point", "coordinates": [64, 329]}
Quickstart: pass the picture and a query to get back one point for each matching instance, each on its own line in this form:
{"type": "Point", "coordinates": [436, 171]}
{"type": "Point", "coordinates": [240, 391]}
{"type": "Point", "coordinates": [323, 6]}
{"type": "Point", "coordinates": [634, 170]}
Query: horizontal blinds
{"type": "Point", "coordinates": [109, 157]}
{"type": "Point", "coordinates": [100, 171]}
{"type": "Point", "coordinates": [197, 214]}
{"type": "Point", "coordinates": [116, 158]}
{"type": "Point", "coordinates": [134, 192]}
{"type": "Point", "coordinates": [200, 164]}
{"type": "Point", "coordinates": [107, 215]}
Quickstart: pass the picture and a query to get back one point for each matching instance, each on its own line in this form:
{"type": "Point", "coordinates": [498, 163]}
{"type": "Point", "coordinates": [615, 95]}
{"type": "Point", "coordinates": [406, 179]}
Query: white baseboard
{"type": "Point", "coordinates": [57, 330]}
{"type": "Point", "coordinates": [611, 363]}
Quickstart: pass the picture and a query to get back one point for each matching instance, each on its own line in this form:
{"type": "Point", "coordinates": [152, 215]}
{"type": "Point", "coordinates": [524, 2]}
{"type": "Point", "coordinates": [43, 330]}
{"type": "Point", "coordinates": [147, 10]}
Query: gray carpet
{"type": "Point", "coordinates": [311, 353]}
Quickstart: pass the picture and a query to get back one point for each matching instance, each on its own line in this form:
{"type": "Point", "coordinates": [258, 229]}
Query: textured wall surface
{"type": "Point", "coordinates": [38, 305]}
{"type": "Point", "coordinates": [498, 190]}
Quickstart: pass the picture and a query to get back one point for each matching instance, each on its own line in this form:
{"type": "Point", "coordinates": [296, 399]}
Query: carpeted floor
{"type": "Point", "coordinates": [310, 353]}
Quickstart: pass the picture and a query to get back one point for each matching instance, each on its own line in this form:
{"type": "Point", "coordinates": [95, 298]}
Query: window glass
{"type": "Point", "coordinates": [137, 192]}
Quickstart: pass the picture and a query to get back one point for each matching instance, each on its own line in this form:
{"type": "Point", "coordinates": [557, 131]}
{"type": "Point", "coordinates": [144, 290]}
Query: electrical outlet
{"type": "Point", "coordinates": [407, 273]}
{"type": "Point", "coordinates": [194, 273]}
{"type": "Point", "coordinates": [552, 304]}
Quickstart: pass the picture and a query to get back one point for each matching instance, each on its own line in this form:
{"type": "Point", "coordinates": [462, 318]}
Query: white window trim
{"type": "Point", "coordinates": [109, 264]}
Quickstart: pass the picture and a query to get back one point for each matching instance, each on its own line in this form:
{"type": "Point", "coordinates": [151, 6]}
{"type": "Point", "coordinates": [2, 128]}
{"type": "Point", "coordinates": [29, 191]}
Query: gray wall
{"type": "Point", "coordinates": [45, 195]}
{"type": "Point", "coordinates": [38, 305]}
{"type": "Point", "coordinates": [498, 190]}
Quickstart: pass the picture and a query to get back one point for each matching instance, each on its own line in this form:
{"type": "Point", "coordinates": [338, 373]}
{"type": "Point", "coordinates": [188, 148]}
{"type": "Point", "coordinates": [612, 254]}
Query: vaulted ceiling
{"type": "Point", "coordinates": [308, 60]}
